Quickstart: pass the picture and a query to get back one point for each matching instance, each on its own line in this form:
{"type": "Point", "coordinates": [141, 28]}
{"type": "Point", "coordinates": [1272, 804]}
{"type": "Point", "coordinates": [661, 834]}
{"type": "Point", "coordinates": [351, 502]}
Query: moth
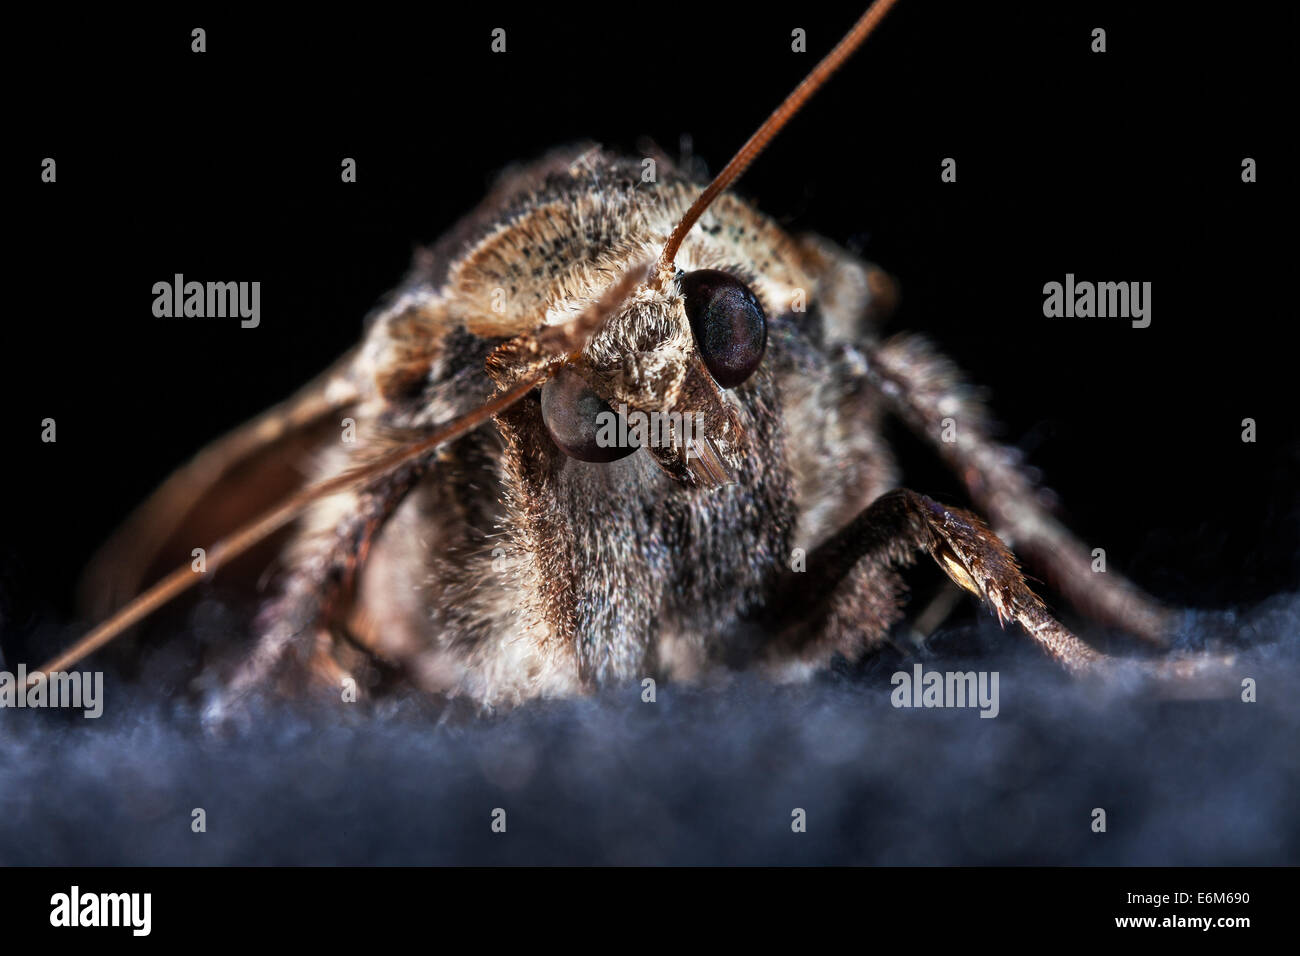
{"type": "Point", "coordinates": [483, 537]}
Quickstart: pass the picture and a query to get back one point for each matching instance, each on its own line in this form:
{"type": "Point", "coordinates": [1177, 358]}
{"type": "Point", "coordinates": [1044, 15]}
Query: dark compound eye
{"type": "Point", "coordinates": [729, 325]}
{"type": "Point", "coordinates": [580, 421]}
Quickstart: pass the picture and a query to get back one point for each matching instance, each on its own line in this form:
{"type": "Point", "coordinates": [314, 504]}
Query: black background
{"type": "Point", "coordinates": [1122, 166]}
{"type": "Point", "coordinates": [225, 166]}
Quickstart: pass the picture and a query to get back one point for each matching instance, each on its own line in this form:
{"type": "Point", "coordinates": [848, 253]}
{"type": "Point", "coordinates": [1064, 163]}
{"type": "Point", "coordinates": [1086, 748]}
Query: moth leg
{"type": "Point", "coordinates": [297, 628]}
{"type": "Point", "coordinates": [924, 389]}
{"type": "Point", "coordinates": [901, 524]}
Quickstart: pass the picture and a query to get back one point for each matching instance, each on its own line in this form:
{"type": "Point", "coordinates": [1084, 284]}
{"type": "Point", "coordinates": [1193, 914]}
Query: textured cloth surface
{"type": "Point", "coordinates": [703, 775]}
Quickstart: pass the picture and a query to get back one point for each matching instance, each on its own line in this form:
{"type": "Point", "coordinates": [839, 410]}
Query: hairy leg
{"type": "Point", "coordinates": [888, 534]}
{"type": "Point", "coordinates": [924, 388]}
{"type": "Point", "coordinates": [298, 628]}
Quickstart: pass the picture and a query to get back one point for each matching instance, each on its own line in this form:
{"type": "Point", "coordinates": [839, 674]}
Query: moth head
{"type": "Point", "coordinates": [681, 342]}
{"type": "Point", "coordinates": [665, 376]}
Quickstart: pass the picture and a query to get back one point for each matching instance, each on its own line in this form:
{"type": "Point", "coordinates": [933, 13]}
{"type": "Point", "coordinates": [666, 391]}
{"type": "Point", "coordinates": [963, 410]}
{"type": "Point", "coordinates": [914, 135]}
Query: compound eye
{"type": "Point", "coordinates": [580, 421]}
{"type": "Point", "coordinates": [729, 325]}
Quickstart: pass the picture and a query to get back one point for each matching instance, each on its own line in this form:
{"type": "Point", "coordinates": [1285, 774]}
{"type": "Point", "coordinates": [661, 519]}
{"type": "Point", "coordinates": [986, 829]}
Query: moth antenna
{"type": "Point", "coordinates": [771, 126]}
{"type": "Point", "coordinates": [563, 342]}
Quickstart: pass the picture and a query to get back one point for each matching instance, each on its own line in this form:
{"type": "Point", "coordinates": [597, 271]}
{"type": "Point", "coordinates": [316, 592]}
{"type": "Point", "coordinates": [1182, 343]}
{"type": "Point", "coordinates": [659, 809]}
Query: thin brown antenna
{"type": "Point", "coordinates": [562, 342]}
{"type": "Point", "coordinates": [773, 125]}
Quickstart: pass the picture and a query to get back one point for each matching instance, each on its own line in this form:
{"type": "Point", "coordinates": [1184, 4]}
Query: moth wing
{"type": "Point", "coordinates": [226, 484]}
{"type": "Point", "coordinates": [241, 475]}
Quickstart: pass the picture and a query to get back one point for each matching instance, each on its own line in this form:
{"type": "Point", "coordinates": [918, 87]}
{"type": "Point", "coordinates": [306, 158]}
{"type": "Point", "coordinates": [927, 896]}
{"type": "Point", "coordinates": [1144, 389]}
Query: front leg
{"type": "Point", "coordinates": [296, 630]}
{"type": "Point", "coordinates": [924, 389]}
{"type": "Point", "coordinates": [889, 534]}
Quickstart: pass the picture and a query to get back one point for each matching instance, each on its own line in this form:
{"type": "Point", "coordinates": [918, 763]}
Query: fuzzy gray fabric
{"type": "Point", "coordinates": [705, 775]}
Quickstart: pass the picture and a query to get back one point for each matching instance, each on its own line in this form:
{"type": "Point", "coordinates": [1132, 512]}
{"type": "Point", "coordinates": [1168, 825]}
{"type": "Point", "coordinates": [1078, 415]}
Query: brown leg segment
{"type": "Point", "coordinates": [902, 523]}
{"type": "Point", "coordinates": [296, 628]}
{"type": "Point", "coordinates": [924, 389]}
